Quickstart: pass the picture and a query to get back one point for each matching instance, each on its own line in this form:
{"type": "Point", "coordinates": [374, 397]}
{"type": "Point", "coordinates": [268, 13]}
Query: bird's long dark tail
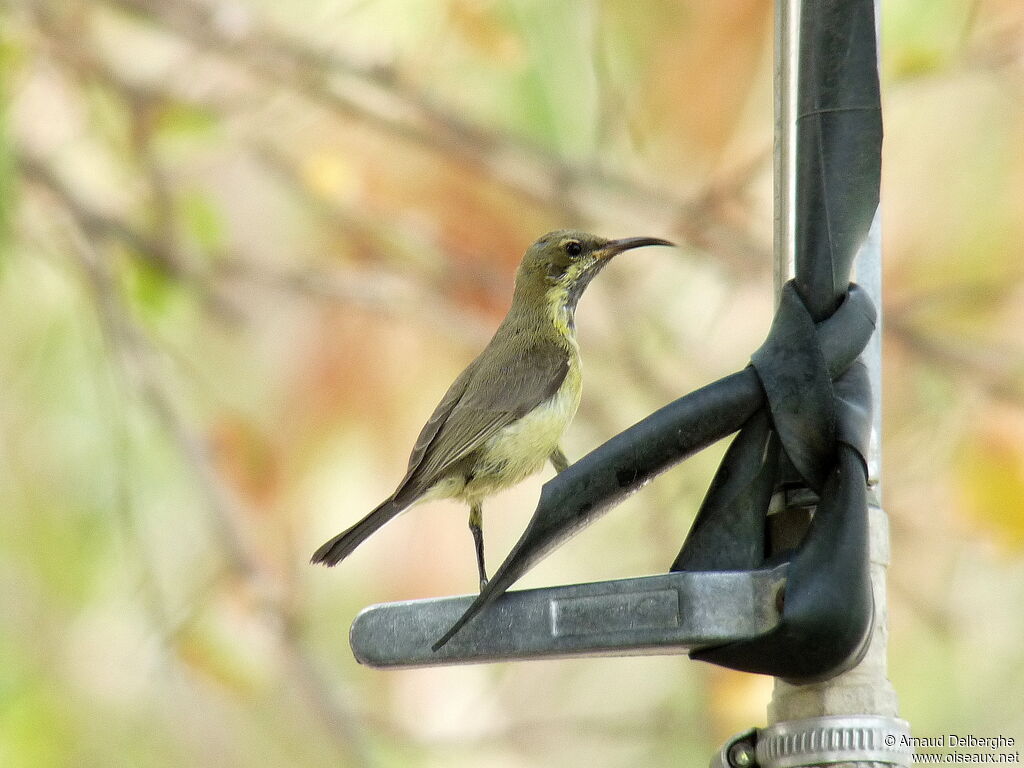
{"type": "Point", "coordinates": [341, 546]}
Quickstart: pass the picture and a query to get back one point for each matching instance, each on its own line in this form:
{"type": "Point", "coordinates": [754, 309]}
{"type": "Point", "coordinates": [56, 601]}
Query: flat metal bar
{"type": "Point", "coordinates": [663, 614]}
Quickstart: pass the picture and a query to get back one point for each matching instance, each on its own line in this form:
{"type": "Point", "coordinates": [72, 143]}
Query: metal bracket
{"type": "Point", "coordinates": [664, 614]}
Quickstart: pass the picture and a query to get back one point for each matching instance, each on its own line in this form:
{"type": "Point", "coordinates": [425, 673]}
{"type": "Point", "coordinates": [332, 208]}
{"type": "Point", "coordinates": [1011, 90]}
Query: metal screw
{"type": "Point", "coordinates": [741, 755]}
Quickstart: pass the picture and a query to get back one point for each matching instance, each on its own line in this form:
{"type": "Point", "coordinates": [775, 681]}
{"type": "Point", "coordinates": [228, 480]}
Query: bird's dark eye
{"type": "Point", "coordinates": [573, 248]}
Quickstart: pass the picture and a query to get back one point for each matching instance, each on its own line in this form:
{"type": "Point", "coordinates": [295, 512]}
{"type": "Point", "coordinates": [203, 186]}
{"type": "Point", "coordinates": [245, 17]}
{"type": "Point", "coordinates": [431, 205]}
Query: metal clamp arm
{"type": "Point", "coordinates": [668, 613]}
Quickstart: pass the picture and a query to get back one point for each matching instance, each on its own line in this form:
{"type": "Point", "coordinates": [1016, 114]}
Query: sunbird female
{"type": "Point", "coordinates": [504, 415]}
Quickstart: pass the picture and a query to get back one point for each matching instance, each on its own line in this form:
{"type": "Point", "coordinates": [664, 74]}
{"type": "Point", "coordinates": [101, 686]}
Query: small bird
{"type": "Point", "coordinates": [504, 415]}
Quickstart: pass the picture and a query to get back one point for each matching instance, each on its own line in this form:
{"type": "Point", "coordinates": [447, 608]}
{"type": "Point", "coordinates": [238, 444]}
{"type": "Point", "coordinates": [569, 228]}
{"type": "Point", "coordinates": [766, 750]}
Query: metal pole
{"type": "Point", "coordinates": [787, 52]}
{"type": "Point", "coordinates": [828, 712]}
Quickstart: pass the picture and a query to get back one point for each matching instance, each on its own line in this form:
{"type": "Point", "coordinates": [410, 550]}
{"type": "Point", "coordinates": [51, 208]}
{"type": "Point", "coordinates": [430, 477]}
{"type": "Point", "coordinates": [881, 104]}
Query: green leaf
{"type": "Point", "coordinates": [187, 121]}
{"type": "Point", "coordinates": [203, 219]}
{"type": "Point", "coordinates": [150, 288]}
{"type": "Point", "coordinates": [922, 37]}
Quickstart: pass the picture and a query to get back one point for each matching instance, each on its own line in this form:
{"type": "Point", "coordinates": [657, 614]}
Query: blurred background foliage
{"type": "Point", "coordinates": [244, 247]}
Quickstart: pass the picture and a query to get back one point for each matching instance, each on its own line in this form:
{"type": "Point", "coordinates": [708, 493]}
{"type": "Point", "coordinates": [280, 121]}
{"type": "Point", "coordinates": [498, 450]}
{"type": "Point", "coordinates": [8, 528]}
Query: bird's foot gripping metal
{"type": "Point", "coordinates": [731, 598]}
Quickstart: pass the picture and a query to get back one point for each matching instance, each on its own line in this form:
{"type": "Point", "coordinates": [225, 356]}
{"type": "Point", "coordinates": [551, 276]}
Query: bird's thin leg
{"type": "Point", "coordinates": [476, 526]}
{"type": "Point", "coordinates": [558, 460]}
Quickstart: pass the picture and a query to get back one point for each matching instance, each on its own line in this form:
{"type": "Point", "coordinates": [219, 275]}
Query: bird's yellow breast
{"type": "Point", "coordinates": [520, 449]}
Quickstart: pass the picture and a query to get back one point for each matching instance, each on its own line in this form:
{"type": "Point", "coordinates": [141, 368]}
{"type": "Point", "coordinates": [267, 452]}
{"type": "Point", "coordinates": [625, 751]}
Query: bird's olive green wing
{"type": "Point", "coordinates": [438, 417]}
{"type": "Point", "coordinates": [499, 387]}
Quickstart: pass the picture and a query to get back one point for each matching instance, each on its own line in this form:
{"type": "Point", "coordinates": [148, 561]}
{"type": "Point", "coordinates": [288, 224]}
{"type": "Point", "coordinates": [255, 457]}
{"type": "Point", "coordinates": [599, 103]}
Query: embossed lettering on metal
{"type": "Point", "coordinates": [624, 611]}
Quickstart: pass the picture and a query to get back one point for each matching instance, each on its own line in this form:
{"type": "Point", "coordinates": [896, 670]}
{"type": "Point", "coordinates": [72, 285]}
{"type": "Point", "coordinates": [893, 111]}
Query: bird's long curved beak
{"type": "Point", "coordinates": [613, 247]}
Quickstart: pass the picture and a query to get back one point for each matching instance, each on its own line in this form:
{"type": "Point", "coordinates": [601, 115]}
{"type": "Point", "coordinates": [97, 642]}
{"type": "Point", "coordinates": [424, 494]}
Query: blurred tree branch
{"type": "Point", "coordinates": [139, 360]}
{"type": "Point", "coordinates": [103, 226]}
{"type": "Point", "coordinates": [377, 97]}
{"type": "Point", "coordinates": [999, 372]}
{"type": "Point", "coordinates": [133, 349]}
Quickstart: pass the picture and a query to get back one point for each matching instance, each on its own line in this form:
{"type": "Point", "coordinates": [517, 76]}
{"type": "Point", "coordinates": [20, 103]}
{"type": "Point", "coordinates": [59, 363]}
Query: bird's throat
{"type": "Point", "coordinates": [561, 306]}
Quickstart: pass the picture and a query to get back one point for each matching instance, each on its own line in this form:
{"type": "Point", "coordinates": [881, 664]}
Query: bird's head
{"type": "Point", "coordinates": [557, 267]}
